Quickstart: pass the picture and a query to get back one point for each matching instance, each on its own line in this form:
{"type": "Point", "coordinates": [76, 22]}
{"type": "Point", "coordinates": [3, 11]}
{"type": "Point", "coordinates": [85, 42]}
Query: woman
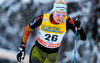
{"type": "Point", "coordinates": [52, 28]}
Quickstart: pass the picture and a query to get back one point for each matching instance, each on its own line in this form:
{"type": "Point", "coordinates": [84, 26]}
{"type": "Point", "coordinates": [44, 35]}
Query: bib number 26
{"type": "Point", "coordinates": [51, 37]}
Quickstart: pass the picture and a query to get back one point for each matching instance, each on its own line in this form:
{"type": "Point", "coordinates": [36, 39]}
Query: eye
{"type": "Point", "coordinates": [62, 15]}
{"type": "Point", "coordinates": [58, 14]}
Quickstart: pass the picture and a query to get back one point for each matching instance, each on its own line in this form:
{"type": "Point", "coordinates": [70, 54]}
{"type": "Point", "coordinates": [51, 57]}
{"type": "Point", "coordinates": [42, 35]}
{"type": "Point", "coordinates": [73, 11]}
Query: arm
{"type": "Point", "coordinates": [33, 24]}
{"type": "Point", "coordinates": [26, 34]}
{"type": "Point", "coordinates": [71, 25]}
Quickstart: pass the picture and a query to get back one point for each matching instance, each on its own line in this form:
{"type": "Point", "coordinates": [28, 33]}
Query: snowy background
{"type": "Point", "coordinates": [16, 14]}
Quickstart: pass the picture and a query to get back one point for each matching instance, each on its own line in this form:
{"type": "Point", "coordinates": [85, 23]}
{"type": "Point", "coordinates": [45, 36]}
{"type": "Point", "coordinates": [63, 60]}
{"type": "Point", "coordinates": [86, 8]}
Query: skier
{"type": "Point", "coordinates": [52, 28]}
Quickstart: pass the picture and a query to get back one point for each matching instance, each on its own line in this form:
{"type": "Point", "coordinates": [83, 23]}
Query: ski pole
{"type": "Point", "coordinates": [75, 44]}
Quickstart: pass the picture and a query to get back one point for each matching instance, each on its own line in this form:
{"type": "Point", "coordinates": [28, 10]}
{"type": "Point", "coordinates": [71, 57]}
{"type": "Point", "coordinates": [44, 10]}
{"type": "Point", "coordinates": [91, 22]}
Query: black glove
{"type": "Point", "coordinates": [21, 53]}
{"type": "Point", "coordinates": [77, 22]}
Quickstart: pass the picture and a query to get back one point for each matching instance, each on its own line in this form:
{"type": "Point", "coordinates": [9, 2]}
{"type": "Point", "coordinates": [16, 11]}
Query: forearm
{"type": "Point", "coordinates": [21, 53]}
{"type": "Point", "coordinates": [71, 24]}
{"type": "Point", "coordinates": [26, 34]}
{"type": "Point", "coordinates": [82, 34]}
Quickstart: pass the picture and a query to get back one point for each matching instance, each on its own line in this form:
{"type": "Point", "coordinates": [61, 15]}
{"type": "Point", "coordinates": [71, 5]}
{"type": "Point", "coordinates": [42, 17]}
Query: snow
{"type": "Point", "coordinates": [98, 21]}
{"type": "Point", "coordinates": [9, 29]}
{"type": "Point", "coordinates": [25, 1]}
{"type": "Point", "coordinates": [95, 49]}
{"type": "Point", "coordinates": [11, 55]}
{"type": "Point", "coordinates": [3, 20]}
{"type": "Point", "coordinates": [7, 3]}
{"type": "Point", "coordinates": [69, 35]}
{"type": "Point", "coordinates": [74, 14]}
{"type": "Point", "coordinates": [99, 31]}
{"type": "Point", "coordinates": [85, 10]}
{"type": "Point", "coordinates": [69, 56]}
{"type": "Point", "coordinates": [2, 1]}
{"type": "Point", "coordinates": [48, 1]}
{"type": "Point", "coordinates": [14, 8]}
{"type": "Point", "coordinates": [43, 1]}
{"type": "Point", "coordinates": [85, 19]}
{"type": "Point", "coordinates": [69, 1]}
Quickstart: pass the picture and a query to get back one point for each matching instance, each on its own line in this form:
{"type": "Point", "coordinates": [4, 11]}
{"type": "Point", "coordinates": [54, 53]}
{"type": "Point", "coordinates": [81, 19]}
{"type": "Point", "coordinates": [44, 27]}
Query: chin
{"type": "Point", "coordinates": [59, 22]}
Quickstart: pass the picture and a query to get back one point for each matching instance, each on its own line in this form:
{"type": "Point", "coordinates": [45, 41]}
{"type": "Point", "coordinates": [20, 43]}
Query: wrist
{"type": "Point", "coordinates": [22, 47]}
{"type": "Point", "coordinates": [23, 44]}
{"type": "Point", "coordinates": [79, 28]}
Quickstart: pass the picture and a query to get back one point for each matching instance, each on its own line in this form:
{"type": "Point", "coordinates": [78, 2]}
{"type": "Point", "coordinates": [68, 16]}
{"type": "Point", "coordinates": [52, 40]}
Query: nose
{"type": "Point", "coordinates": [60, 17]}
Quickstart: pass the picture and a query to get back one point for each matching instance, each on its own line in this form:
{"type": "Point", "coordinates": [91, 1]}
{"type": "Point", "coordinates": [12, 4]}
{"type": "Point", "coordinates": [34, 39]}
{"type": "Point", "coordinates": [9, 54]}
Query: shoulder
{"type": "Point", "coordinates": [40, 17]}
{"type": "Point", "coordinates": [36, 21]}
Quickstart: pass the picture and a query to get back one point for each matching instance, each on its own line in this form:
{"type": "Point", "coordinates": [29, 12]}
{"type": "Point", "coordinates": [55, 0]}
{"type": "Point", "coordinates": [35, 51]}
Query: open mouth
{"type": "Point", "coordinates": [58, 20]}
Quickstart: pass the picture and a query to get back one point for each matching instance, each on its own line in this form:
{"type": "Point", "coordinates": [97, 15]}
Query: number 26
{"type": "Point", "coordinates": [51, 38]}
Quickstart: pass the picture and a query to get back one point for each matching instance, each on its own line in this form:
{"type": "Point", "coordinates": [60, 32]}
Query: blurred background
{"type": "Point", "coordinates": [16, 14]}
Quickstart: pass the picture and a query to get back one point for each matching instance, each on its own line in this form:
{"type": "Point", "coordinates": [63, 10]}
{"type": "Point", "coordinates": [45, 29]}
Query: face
{"type": "Point", "coordinates": [58, 16]}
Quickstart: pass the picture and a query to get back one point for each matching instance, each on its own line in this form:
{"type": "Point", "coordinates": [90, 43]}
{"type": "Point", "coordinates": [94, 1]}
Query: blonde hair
{"type": "Point", "coordinates": [60, 1]}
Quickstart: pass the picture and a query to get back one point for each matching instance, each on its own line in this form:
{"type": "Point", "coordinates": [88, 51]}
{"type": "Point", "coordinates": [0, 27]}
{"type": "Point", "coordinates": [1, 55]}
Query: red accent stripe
{"type": "Point", "coordinates": [42, 42]}
{"type": "Point", "coordinates": [71, 21]}
{"type": "Point", "coordinates": [48, 44]}
{"type": "Point", "coordinates": [23, 45]}
{"type": "Point", "coordinates": [38, 18]}
{"type": "Point", "coordinates": [25, 34]}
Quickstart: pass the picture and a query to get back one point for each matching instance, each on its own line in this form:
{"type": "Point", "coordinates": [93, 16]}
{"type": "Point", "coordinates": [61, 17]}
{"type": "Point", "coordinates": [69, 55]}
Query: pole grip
{"type": "Point", "coordinates": [75, 28]}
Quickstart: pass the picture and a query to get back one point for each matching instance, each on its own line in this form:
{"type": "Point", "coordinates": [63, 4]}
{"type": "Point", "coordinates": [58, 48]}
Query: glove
{"type": "Point", "coordinates": [21, 53]}
{"type": "Point", "coordinates": [77, 22]}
